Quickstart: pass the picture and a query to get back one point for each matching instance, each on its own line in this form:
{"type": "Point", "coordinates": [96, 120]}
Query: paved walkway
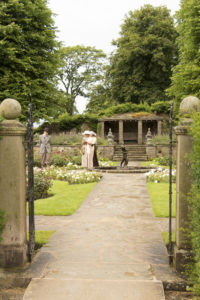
{"type": "Point", "coordinates": [110, 249]}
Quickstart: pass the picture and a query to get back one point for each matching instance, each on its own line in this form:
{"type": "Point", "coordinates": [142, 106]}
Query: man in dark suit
{"type": "Point", "coordinates": [45, 147]}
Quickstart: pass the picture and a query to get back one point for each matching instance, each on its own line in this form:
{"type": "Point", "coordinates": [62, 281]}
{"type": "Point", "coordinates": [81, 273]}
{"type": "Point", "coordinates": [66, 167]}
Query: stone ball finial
{"type": "Point", "coordinates": [189, 105]}
{"type": "Point", "coordinates": [10, 109]}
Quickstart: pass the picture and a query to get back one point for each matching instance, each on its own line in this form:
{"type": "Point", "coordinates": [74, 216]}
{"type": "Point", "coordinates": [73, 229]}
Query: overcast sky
{"type": "Point", "coordinates": [96, 22]}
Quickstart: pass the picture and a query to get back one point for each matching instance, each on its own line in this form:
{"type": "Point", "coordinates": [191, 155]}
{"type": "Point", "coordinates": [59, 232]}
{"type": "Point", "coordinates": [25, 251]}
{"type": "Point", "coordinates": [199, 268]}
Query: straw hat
{"type": "Point", "coordinates": [93, 133]}
{"type": "Point", "coordinates": [86, 132]}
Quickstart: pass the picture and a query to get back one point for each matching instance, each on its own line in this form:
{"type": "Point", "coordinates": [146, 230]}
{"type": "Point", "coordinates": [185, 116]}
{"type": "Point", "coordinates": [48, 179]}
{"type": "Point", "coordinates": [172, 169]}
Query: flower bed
{"type": "Point", "coordinates": [71, 176]}
{"type": "Point", "coordinates": [160, 175]}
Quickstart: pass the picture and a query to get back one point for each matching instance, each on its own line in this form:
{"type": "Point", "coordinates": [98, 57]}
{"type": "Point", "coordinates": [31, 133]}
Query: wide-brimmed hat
{"type": "Point", "coordinates": [86, 132]}
{"type": "Point", "coordinates": [93, 133]}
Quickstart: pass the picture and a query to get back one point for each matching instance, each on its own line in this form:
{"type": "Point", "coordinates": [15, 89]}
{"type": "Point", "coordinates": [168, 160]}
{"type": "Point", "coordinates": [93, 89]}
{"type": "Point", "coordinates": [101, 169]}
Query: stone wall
{"type": "Point", "coordinates": [108, 151]}
{"type": "Point", "coordinates": [105, 151]}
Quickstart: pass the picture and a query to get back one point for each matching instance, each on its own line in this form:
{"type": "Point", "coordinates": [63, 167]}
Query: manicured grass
{"type": "Point", "coordinates": [66, 199]}
{"type": "Point", "coordinates": [149, 163]}
{"type": "Point", "coordinates": [165, 236]}
{"type": "Point", "coordinates": [41, 237]}
{"type": "Point", "coordinates": [159, 194]}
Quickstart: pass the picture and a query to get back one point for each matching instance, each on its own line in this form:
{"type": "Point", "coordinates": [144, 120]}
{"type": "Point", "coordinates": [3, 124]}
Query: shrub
{"type": "Point", "coordinates": [163, 139]}
{"type": "Point", "coordinates": [75, 160]}
{"type": "Point", "coordinates": [67, 123]}
{"type": "Point", "coordinates": [125, 108]}
{"type": "Point", "coordinates": [161, 107]}
{"type": "Point", "coordinates": [164, 160]}
{"type": "Point", "coordinates": [102, 141]}
{"type": "Point", "coordinates": [42, 184]}
{"type": "Point", "coordinates": [58, 159]}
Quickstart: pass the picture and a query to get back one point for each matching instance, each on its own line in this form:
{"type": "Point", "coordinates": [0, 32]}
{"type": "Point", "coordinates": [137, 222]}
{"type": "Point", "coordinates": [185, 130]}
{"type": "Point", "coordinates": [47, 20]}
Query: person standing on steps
{"type": "Point", "coordinates": [45, 148]}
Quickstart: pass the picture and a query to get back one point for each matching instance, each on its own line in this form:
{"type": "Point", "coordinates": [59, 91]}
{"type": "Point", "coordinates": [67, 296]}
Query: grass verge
{"type": "Point", "coordinates": [41, 237]}
{"type": "Point", "coordinates": [66, 199]}
{"type": "Point", "coordinates": [165, 236]}
{"type": "Point", "coordinates": [159, 194]}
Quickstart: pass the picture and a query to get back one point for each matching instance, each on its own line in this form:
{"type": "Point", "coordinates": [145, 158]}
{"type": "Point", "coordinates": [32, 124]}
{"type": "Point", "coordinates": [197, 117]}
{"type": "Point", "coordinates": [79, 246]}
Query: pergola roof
{"type": "Point", "coordinates": [133, 116]}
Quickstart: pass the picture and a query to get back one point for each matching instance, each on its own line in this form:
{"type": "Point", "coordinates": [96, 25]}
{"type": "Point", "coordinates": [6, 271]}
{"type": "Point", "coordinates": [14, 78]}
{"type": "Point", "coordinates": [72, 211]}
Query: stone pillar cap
{"type": "Point", "coordinates": [189, 105]}
{"type": "Point", "coordinates": [10, 109]}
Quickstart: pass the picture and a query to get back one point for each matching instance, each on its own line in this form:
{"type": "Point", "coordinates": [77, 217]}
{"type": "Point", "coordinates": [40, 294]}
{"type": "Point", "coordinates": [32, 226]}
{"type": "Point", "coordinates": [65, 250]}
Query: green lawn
{"type": "Point", "coordinates": [65, 201]}
{"type": "Point", "coordinates": [148, 163]}
{"type": "Point", "coordinates": [41, 237]}
{"type": "Point", "coordinates": [159, 194]}
{"type": "Point", "coordinates": [165, 236]}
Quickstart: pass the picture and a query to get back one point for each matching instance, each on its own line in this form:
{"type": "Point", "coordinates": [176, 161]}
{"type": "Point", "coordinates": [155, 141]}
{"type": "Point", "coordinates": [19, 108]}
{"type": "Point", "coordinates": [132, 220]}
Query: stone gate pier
{"type": "Point", "coordinates": [13, 248]}
{"type": "Point", "coordinates": [184, 182]}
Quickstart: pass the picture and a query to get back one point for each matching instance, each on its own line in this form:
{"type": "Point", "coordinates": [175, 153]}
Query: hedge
{"type": "Point", "coordinates": [67, 123]}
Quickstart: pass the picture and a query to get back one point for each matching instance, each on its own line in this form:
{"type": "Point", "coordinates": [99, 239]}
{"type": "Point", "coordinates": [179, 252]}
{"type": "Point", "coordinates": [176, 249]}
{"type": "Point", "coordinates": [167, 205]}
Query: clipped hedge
{"type": "Point", "coordinates": [67, 123]}
{"type": "Point", "coordinates": [125, 108]}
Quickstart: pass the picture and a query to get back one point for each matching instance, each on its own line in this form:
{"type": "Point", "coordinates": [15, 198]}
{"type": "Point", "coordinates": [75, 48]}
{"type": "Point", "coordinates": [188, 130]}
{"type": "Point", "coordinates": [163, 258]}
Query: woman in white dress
{"type": "Point", "coordinates": [85, 149]}
{"type": "Point", "coordinates": [92, 156]}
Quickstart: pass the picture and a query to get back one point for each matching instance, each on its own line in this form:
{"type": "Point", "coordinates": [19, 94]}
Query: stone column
{"type": "Point", "coordinates": [159, 127]}
{"type": "Point", "coordinates": [183, 184]}
{"type": "Point", "coordinates": [102, 129]}
{"type": "Point", "coordinates": [121, 132]}
{"type": "Point", "coordinates": [140, 138]}
{"type": "Point", "coordinates": [13, 248]}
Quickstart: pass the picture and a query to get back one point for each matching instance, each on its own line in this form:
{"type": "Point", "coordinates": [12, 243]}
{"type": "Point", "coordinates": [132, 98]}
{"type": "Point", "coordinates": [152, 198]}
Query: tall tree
{"type": "Point", "coordinates": [28, 57]}
{"type": "Point", "coordinates": [186, 75]}
{"type": "Point", "coordinates": [81, 69]}
{"type": "Point", "coordinates": [146, 53]}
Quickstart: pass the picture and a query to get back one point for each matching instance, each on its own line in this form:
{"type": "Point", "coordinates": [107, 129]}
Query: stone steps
{"type": "Point", "coordinates": [135, 153]}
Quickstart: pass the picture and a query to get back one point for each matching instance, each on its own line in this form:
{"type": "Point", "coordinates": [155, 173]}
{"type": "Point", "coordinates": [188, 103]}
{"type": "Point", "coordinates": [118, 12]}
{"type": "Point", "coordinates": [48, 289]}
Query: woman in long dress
{"type": "Point", "coordinates": [92, 157]}
{"type": "Point", "coordinates": [85, 149]}
{"type": "Point", "coordinates": [94, 143]}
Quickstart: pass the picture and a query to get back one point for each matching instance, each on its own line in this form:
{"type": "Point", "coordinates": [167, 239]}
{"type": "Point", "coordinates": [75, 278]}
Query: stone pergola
{"type": "Point", "coordinates": [131, 127]}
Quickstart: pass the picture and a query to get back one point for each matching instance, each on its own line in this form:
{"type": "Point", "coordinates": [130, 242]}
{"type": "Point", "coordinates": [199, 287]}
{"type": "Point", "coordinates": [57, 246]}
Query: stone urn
{"type": "Point", "coordinates": [149, 136]}
{"type": "Point", "coordinates": [110, 137]}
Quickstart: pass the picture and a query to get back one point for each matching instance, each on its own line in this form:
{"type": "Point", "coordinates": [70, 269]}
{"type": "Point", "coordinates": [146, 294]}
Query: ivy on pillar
{"type": "Point", "coordinates": [121, 132]}
{"type": "Point", "coordinates": [13, 247]}
{"type": "Point", "coordinates": [140, 138]}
